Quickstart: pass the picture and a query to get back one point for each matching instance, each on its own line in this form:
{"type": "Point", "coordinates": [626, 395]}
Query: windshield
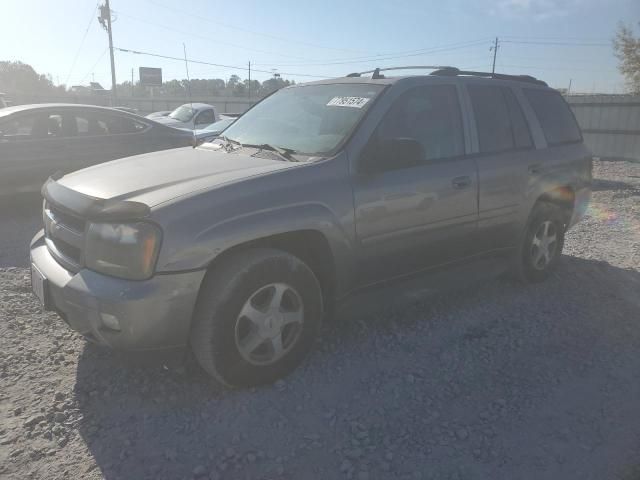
{"type": "Point", "coordinates": [219, 125]}
{"type": "Point", "coordinates": [312, 119]}
{"type": "Point", "coordinates": [183, 113]}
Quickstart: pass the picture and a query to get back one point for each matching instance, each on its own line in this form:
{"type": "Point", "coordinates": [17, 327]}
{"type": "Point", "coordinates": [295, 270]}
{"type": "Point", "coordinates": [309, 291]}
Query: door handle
{"type": "Point", "coordinates": [535, 168]}
{"type": "Point", "coordinates": [461, 182]}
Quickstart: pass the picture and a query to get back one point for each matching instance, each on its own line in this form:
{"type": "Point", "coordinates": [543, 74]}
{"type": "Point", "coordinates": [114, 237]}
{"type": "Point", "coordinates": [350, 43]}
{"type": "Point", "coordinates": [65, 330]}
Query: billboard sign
{"type": "Point", "coordinates": [151, 77]}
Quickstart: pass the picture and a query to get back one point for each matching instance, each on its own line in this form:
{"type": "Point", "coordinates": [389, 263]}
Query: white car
{"type": "Point", "coordinates": [156, 115]}
{"type": "Point", "coordinates": [191, 116]}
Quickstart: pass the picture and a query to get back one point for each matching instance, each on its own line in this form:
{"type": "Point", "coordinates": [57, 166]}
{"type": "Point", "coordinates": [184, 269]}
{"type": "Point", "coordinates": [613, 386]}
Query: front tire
{"type": "Point", "coordinates": [256, 318]}
{"type": "Point", "coordinates": [541, 246]}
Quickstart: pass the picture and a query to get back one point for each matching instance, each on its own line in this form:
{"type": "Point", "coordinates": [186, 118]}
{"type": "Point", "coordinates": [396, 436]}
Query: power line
{"type": "Point", "coordinates": [218, 23]}
{"type": "Point", "coordinates": [339, 61]}
{"type": "Point", "coordinates": [94, 65]}
{"type": "Point", "coordinates": [234, 67]}
{"type": "Point", "coordinates": [544, 38]}
{"type": "Point", "coordinates": [196, 35]}
{"type": "Point", "coordinates": [417, 53]}
{"type": "Point", "coordinates": [84, 36]}
{"type": "Point", "coordinates": [570, 44]}
{"type": "Point", "coordinates": [535, 67]}
{"type": "Point", "coordinates": [399, 53]}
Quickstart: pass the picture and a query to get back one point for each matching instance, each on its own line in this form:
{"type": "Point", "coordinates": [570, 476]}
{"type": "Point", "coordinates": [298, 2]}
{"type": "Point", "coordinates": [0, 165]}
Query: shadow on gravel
{"type": "Point", "coordinates": [20, 219]}
{"type": "Point", "coordinates": [149, 422]}
{"type": "Point", "coordinates": [21, 205]}
{"type": "Point", "coordinates": [600, 185]}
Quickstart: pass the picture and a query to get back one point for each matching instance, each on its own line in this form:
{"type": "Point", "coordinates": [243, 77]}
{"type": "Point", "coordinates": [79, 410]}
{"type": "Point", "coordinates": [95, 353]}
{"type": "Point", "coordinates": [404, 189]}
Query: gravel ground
{"type": "Point", "coordinates": [496, 381]}
{"type": "Point", "coordinates": [20, 219]}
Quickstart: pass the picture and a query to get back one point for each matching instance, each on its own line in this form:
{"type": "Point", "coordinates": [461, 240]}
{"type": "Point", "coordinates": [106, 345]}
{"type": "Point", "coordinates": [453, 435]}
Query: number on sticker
{"type": "Point", "coordinates": [353, 102]}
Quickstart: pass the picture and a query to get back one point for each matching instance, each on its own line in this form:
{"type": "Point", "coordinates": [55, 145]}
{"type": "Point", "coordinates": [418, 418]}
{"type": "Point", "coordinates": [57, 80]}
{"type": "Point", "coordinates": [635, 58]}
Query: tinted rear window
{"type": "Point", "coordinates": [555, 117]}
{"type": "Point", "coordinates": [521, 135]}
{"type": "Point", "coordinates": [492, 119]}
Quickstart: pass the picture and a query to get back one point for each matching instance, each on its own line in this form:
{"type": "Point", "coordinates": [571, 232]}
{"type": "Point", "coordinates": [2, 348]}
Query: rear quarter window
{"type": "Point", "coordinates": [554, 115]}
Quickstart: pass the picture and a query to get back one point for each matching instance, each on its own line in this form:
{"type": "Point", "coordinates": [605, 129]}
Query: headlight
{"type": "Point", "coordinates": [126, 250]}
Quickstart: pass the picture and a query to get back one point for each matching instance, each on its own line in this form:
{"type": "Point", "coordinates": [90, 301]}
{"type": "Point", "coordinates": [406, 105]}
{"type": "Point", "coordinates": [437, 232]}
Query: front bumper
{"type": "Point", "coordinates": [152, 314]}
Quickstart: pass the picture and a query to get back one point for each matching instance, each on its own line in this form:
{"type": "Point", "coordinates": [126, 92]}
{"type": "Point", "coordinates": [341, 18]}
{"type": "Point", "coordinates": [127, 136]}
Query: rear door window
{"type": "Point", "coordinates": [206, 117]}
{"type": "Point", "coordinates": [90, 125]}
{"type": "Point", "coordinates": [492, 118]}
{"type": "Point", "coordinates": [521, 134]}
{"type": "Point", "coordinates": [555, 117]}
{"type": "Point", "coordinates": [118, 125]}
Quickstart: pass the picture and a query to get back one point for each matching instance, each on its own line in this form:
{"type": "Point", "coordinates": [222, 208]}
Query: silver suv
{"type": "Point", "coordinates": [239, 248]}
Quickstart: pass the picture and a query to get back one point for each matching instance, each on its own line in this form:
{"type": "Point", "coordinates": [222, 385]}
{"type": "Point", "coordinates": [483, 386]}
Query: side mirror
{"type": "Point", "coordinates": [392, 154]}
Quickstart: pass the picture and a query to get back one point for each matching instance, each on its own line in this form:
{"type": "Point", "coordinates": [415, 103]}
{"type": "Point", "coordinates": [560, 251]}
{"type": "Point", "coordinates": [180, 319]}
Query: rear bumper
{"type": "Point", "coordinates": [153, 314]}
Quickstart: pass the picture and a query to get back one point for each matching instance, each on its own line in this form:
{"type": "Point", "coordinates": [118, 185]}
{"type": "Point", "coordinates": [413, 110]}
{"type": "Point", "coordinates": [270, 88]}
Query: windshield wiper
{"type": "Point", "coordinates": [286, 153]}
{"type": "Point", "coordinates": [228, 141]}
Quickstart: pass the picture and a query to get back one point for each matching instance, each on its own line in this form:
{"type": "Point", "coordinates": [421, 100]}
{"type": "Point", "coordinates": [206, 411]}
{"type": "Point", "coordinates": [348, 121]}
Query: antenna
{"type": "Point", "coordinates": [186, 67]}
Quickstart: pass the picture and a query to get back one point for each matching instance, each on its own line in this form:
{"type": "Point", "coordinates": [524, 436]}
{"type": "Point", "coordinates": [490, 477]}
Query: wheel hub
{"type": "Point", "coordinates": [543, 245]}
{"type": "Point", "coordinates": [269, 324]}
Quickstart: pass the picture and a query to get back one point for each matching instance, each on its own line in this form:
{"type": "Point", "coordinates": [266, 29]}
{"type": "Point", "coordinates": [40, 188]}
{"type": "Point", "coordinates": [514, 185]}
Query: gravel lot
{"type": "Point", "coordinates": [496, 381]}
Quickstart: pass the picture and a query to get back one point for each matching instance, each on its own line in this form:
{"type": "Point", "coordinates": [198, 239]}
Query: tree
{"type": "Point", "coordinates": [18, 77]}
{"type": "Point", "coordinates": [231, 84]}
{"type": "Point", "coordinates": [273, 84]}
{"type": "Point", "coordinates": [627, 48]}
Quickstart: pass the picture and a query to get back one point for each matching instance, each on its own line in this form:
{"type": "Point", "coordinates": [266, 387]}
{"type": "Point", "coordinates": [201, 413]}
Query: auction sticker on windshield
{"type": "Point", "coordinates": [353, 102]}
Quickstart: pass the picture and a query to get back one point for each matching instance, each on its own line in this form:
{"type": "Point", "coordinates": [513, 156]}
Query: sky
{"type": "Point", "coordinates": [559, 41]}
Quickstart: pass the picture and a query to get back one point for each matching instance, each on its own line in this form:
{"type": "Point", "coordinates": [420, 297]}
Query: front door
{"type": "Point", "coordinates": [411, 217]}
{"type": "Point", "coordinates": [33, 146]}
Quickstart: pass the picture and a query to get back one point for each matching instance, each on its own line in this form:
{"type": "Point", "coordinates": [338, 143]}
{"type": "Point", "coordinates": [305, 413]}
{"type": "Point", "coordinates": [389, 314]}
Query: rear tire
{"type": "Point", "coordinates": [541, 246]}
{"type": "Point", "coordinates": [257, 316]}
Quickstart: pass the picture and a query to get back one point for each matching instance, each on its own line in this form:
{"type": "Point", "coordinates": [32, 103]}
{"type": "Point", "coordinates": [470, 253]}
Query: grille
{"type": "Point", "coordinates": [70, 221]}
{"type": "Point", "coordinates": [64, 234]}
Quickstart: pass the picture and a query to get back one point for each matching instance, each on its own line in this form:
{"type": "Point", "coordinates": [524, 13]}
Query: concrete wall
{"type": "Point", "coordinates": [143, 105]}
{"type": "Point", "coordinates": [610, 124]}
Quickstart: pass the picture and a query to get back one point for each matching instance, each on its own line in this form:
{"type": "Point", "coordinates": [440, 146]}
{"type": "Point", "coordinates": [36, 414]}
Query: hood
{"type": "Point", "coordinates": [156, 177]}
{"type": "Point", "coordinates": [171, 122]}
{"type": "Point", "coordinates": [204, 133]}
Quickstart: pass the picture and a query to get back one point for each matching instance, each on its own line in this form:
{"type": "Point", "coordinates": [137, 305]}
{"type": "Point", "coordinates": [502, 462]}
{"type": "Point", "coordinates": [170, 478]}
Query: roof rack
{"type": "Point", "coordinates": [453, 72]}
{"type": "Point", "coordinates": [377, 74]}
{"type": "Point", "coordinates": [446, 71]}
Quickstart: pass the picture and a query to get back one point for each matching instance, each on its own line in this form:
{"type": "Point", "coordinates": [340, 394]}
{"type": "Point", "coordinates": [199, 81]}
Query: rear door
{"type": "Point", "coordinates": [505, 154]}
{"type": "Point", "coordinates": [413, 217]}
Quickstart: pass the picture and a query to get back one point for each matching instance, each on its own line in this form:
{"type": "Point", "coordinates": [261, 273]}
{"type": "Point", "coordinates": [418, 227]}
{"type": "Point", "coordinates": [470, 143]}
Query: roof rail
{"type": "Point", "coordinates": [377, 74]}
{"type": "Point", "coordinates": [454, 72]}
{"type": "Point", "coordinates": [445, 71]}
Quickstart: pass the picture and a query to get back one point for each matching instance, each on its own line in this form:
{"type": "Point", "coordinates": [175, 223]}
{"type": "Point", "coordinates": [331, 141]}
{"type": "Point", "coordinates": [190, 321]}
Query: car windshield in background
{"type": "Point", "coordinates": [183, 113]}
{"type": "Point", "coordinates": [220, 125]}
{"type": "Point", "coordinates": [312, 119]}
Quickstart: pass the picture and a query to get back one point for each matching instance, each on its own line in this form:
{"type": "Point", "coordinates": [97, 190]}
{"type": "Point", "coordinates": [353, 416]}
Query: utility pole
{"type": "Point", "coordinates": [105, 21]}
{"type": "Point", "coordinates": [132, 90]}
{"type": "Point", "coordinates": [495, 52]}
{"type": "Point", "coordinates": [249, 79]}
{"type": "Point", "coordinates": [569, 89]}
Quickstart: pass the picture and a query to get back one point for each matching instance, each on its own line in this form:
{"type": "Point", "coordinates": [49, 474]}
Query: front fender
{"type": "Point", "coordinates": [215, 239]}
